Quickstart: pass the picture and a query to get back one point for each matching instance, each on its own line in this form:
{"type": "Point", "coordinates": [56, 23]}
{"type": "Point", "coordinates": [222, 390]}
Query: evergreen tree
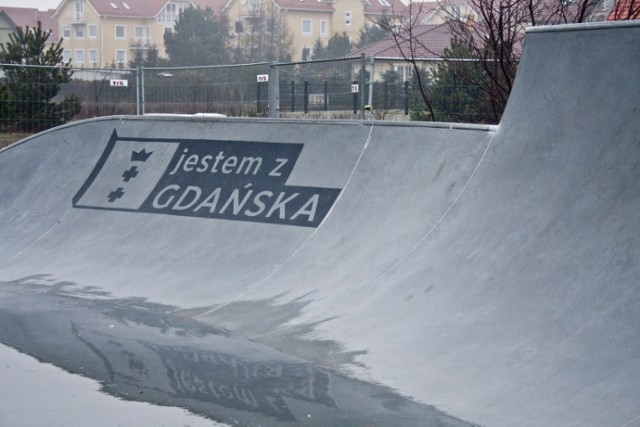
{"type": "Point", "coordinates": [454, 90]}
{"type": "Point", "coordinates": [318, 51]}
{"type": "Point", "coordinates": [339, 45]}
{"type": "Point", "coordinates": [375, 32]}
{"type": "Point", "coordinates": [200, 38]}
{"type": "Point", "coordinates": [141, 60]}
{"type": "Point", "coordinates": [34, 81]}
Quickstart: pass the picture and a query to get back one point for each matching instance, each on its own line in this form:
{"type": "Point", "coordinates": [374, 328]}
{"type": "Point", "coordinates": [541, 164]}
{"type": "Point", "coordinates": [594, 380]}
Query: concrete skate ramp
{"type": "Point", "coordinates": [357, 273]}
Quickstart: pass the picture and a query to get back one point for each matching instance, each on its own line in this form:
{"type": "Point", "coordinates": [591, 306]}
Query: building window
{"type": "Point", "coordinates": [93, 31]}
{"type": "Point", "coordinates": [348, 17]}
{"type": "Point", "coordinates": [66, 32]}
{"type": "Point", "coordinates": [79, 31]}
{"type": "Point", "coordinates": [79, 56]}
{"type": "Point", "coordinates": [405, 70]}
{"type": "Point", "coordinates": [170, 12]}
{"type": "Point", "coordinates": [142, 33]}
{"type": "Point", "coordinates": [306, 27]}
{"type": "Point", "coordinates": [121, 56]}
{"type": "Point", "coordinates": [120, 32]}
{"type": "Point", "coordinates": [79, 9]}
{"type": "Point", "coordinates": [324, 25]}
{"type": "Point", "coordinates": [306, 53]}
{"type": "Point", "coordinates": [93, 56]}
{"type": "Point", "coordinates": [66, 55]}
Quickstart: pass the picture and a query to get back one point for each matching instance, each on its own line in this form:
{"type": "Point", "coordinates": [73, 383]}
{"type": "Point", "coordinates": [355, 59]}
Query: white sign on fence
{"type": "Point", "coordinates": [263, 78]}
{"type": "Point", "coordinates": [355, 88]}
{"type": "Point", "coordinates": [119, 83]}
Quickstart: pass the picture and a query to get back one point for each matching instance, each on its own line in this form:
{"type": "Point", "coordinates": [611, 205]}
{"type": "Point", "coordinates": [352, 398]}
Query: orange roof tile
{"type": "Point", "coordinates": [625, 10]}
{"type": "Point", "coordinates": [29, 17]}
{"type": "Point", "coordinates": [432, 41]}
{"type": "Point", "coordinates": [128, 8]}
{"type": "Point", "coordinates": [307, 5]}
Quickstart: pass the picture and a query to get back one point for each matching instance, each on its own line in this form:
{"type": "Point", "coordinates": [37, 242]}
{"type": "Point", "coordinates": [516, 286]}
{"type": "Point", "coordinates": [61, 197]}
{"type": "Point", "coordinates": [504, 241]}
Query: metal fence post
{"type": "Point", "coordinates": [138, 72]}
{"type": "Point", "coordinates": [326, 96]}
{"type": "Point", "coordinates": [406, 97]}
{"type": "Point", "coordinates": [142, 91]}
{"type": "Point", "coordinates": [371, 77]}
{"type": "Point", "coordinates": [306, 97]}
{"type": "Point", "coordinates": [363, 64]}
{"type": "Point", "coordinates": [274, 92]}
{"type": "Point", "coordinates": [257, 98]}
{"type": "Point", "coordinates": [354, 95]}
{"type": "Point", "coordinates": [386, 95]}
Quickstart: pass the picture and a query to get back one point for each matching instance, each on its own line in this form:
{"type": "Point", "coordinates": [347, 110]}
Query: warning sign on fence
{"type": "Point", "coordinates": [119, 83]}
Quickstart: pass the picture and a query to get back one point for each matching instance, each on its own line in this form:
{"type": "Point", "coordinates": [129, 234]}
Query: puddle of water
{"type": "Point", "coordinates": [154, 353]}
{"type": "Point", "coordinates": [38, 394]}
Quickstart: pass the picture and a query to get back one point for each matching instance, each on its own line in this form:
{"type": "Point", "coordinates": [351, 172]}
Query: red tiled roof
{"type": "Point", "coordinates": [624, 10]}
{"type": "Point", "coordinates": [215, 5]}
{"type": "Point", "coordinates": [29, 17]}
{"type": "Point", "coordinates": [128, 8]}
{"type": "Point", "coordinates": [379, 7]}
{"type": "Point", "coordinates": [307, 5]}
{"type": "Point", "coordinates": [432, 41]}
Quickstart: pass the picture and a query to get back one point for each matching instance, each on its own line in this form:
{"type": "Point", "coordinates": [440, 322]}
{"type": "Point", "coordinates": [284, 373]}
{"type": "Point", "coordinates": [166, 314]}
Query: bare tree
{"type": "Point", "coordinates": [493, 33]}
{"type": "Point", "coordinates": [408, 35]}
{"type": "Point", "coordinates": [496, 36]}
{"type": "Point", "coordinates": [265, 35]}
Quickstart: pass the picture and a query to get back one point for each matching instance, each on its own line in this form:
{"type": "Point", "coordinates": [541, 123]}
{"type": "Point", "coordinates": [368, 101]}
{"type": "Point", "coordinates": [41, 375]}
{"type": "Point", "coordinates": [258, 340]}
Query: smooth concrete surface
{"type": "Point", "coordinates": [416, 274]}
{"type": "Point", "coordinates": [42, 394]}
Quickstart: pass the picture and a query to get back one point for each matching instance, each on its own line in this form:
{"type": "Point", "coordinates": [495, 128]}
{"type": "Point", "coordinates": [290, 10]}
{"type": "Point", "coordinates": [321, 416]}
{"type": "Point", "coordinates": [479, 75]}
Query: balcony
{"type": "Point", "coordinates": [142, 43]}
{"type": "Point", "coordinates": [78, 18]}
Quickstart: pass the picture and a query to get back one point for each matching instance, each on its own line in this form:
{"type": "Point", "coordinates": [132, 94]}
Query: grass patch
{"type": "Point", "coordinates": [11, 137]}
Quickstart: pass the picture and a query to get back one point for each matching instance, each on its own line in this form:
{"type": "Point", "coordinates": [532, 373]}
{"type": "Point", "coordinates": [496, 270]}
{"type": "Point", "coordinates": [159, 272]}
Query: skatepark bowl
{"type": "Point", "coordinates": [274, 272]}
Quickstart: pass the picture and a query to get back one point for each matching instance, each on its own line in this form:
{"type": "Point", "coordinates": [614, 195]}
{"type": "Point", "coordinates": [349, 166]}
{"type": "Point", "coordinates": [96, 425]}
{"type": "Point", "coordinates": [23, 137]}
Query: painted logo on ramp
{"type": "Point", "coordinates": [234, 180]}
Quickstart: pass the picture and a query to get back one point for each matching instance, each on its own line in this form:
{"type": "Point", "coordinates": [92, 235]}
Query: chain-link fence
{"type": "Point", "coordinates": [34, 98]}
{"type": "Point", "coordinates": [233, 90]}
{"type": "Point", "coordinates": [319, 86]}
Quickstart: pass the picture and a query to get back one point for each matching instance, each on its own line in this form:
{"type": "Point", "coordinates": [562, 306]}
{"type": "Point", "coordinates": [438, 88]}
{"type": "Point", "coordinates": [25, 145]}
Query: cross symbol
{"type": "Point", "coordinates": [116, 194]}
{"type": "Point", "coordinates": [131, 173]}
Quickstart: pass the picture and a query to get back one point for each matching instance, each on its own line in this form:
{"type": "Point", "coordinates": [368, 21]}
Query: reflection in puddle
{"type": "Point", "coordinates": [148, 352]}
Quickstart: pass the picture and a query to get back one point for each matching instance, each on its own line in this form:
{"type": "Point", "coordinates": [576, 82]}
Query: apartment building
{"type": "Point", "coordinates": [105, 33]}
{"type": "Point", "coordinates": [310, 20]}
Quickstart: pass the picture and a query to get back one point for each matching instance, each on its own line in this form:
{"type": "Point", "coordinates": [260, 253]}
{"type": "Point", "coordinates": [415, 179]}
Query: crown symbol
{"type": "Point", "coordinates": [140, 156]}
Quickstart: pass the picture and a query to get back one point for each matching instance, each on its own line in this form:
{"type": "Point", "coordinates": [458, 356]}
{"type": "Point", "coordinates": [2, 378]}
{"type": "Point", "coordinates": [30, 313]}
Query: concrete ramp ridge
{"type": "Point", "coordinates": [273, 273]}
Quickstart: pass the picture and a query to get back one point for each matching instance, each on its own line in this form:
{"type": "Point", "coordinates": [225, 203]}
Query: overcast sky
{"type": "Point", "coordinates": [38, 4]}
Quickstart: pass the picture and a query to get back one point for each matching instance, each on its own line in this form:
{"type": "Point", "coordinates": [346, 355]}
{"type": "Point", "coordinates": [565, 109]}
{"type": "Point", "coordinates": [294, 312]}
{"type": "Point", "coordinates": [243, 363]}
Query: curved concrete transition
{"type": "Point", "coordinates": [277, 273]}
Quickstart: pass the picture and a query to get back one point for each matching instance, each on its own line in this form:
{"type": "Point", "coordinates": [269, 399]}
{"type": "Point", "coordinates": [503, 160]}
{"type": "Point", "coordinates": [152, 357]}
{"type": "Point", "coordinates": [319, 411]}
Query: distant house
{"type": "Point", "coordinates": [104, 33]}
{"type": "Point", "coordinates": [14, 17]}
{"type": "Point", "coordinates": [390, 54]}
{"type": "Point", "coordinates": [7, 26]}
{"type": "Point", "coordinates": [310, 20]}
{"type": "Point", "coordinates": [439, 12]}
